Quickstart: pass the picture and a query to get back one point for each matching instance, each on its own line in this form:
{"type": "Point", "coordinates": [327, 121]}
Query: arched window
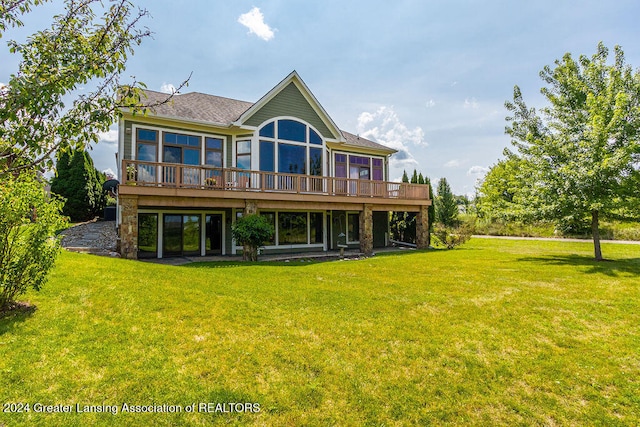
{"type": "Point", "coordinates": [290, 146]}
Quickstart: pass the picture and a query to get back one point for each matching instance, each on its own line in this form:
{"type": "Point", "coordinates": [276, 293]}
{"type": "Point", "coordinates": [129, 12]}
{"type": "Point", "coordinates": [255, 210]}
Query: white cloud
{"type": "Point", "coordinates": [385, 127]}
{"type": "Point", "coordinates": [479, 171]}
{"type": "Point", "coordinates": [254, 21]}
{"type": "Point", "coordinates": [454, 163]}
{"type": "Point", "coordinates": [471, 103]}
{"type": "Point", "coordinates": [109, 137]}
{"type": "Point", "coordinates": [167, 88]}
{"type": "Point", "coordinates": [430, 103]}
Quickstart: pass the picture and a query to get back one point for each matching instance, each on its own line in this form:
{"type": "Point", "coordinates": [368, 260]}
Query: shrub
{"type": "Point", "coordinates": [252, 231]}
{"type": "Point", "coordinates": [29, 219]}
{"type": "Point", "coordinates": [450, 237]}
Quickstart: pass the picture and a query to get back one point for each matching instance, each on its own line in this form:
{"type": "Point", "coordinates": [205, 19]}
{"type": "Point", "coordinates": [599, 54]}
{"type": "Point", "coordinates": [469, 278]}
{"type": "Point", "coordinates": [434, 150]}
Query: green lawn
{"type": "Point", "coordinates": [494, 333]}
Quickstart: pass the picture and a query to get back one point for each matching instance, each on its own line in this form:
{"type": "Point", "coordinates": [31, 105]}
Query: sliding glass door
{"type": "Point", "coordinates": [181, 235]}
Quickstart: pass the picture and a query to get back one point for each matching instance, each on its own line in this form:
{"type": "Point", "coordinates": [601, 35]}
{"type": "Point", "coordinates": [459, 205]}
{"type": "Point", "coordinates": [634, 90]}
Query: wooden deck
{"type": "Point", "coordinates": [177, 176]}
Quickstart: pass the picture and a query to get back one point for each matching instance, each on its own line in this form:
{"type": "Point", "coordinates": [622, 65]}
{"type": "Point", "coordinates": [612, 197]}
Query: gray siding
{"type": "Point", "coordinates": [290, 102]}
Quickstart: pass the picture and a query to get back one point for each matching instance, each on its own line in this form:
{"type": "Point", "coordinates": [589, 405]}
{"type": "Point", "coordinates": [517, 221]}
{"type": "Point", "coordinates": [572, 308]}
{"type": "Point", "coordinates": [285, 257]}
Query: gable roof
{"type": "Point", "coordinates": [295, 80]}
{"type": "Point", "coordinates": [226, 112]}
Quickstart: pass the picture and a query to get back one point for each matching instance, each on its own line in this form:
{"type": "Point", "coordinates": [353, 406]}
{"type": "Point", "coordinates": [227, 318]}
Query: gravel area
{"type": "Point", "coordinates": [95, 237]}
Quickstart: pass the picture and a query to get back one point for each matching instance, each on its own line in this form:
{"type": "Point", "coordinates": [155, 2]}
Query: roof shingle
{"type": "Point", "coordinates": [217, 110]}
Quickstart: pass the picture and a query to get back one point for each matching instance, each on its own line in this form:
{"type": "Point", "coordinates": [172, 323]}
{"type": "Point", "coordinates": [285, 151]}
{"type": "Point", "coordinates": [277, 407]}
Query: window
{"type": "Point", "coordinates": [315, 161]}
{"type": "Point", "coordinates": [316, 227]}
{"type": "Point", "coordinates": [377, 169]}
{"type": "Point", "coordinates": [359, 167]}
{"type": "Point", "coordinates": [271, 217]}
{"type": "Point", "coordinates": [291, 147]}
{"type": "Point", "coordinates": [213, 234]}
{"type": "Point", "coordinates": [292, 228]}
{"type": "Point", "coordinates": [213, 152]}
{"type": "Point", "coordinates": [147, 235]}
{"type": "Point", "coordinates": [243, 154]}
{"type": "Point", "coordinates": [353, 227]}
{"type": "Point", "coordinates": [147, 145]}
{"type": "Point", "coordinates": [181, 235]}
{"type": "Point", "coordinates": [267, 156]}
{"type": "Point", "coordinates": [268, 130]}
{"type": "Point", "coordinates": [314, 138]}
{"type": "Point", "coordinates": [291, 158]}
{"type": "Point", "coordinates": [178, 148]}
{"type": "Point", "coordinates": [341, 165]}
{"type": "Point", "coordinates": [146, 151]}
{"type": "Point", "coordinates": [292, 130]}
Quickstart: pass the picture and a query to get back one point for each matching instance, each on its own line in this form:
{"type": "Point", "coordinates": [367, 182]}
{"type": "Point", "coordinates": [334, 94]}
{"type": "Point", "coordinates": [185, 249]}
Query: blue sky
{"type": "Point", "coordinates": [428, 78]}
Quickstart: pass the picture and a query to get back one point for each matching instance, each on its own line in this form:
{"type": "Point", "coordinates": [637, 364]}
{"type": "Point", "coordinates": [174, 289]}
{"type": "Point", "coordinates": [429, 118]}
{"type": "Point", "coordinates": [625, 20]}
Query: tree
{"type": "Point", "coordinates": [431, 210]}
{"type": "Point", "coordinates": [66, 90]}
{"type": "Point", "coordinates": [252, 231]}
{"type": "Point", "coordinates": [28, 221]}
{"type": "Point", "coordinates": [500, 192]}
{"type": "Point", "coordinates": [581, 153]}
{"type": "Point", "coordinates": [446, 206]}
{"type": "Point", "coordinates": [405, 177]}
{"type": "Point", "coordinates": [81, 49]}
{"type": "Point", "coordinates": [80, 184]}
{"type": "Point", "coordinates": [414, 177]}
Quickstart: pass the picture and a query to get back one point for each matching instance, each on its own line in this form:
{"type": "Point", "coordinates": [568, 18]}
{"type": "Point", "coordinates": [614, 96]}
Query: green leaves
{"type": "Point", "coordinates": [29, 219]}
{"type": "Point", "coordinates": [582, 149]}
{"type": "Point", "coordinates": [78, 60]}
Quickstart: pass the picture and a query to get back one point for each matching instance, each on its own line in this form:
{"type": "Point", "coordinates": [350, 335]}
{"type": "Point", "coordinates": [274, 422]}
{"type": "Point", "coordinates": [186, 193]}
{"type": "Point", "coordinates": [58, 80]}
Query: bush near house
{"type": "Point", "coordinates": [252, 231]}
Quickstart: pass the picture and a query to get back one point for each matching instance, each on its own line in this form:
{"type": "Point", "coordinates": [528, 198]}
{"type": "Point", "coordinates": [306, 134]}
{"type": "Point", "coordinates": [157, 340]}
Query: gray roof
{"type": "Point", "coordinates": [199, 107]}
{"type": "Point", "coordinates": [359, 141]}
{"type": "Point", "coordinates": [218, 110]}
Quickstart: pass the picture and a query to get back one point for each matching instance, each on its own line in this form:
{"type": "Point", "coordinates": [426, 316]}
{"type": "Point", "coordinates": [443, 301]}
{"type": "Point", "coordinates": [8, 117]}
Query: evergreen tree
{"type": "Point", "coordinates": [414, 177]}
{"type": "Point", "coordinates": [405, 177]}
{"type": "Point", "coordinates": [421, 179]}
{"type": "Point", "coordinates": [432, 208]}
{"type": "Point", "coordinates": [78, 181]}
{"type": "Point", "coordinates": [446, 206]}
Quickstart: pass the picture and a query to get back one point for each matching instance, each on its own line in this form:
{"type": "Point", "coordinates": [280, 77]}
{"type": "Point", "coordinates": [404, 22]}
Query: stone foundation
{"type": "Point", "coordinates": [366, 230]}
{"type": "Point", "coordinates": [129, 226]}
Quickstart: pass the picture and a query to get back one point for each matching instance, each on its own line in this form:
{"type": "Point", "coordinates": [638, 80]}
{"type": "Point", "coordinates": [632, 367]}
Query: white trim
{"type": "Point", "coordinates": [306, 93]}
{"type": "Point", "coordinates": [277, 141]}
{"type": "Point", "coordinates": [277, 245]}
{"type": "Point", "coordinates": [371, 156]}
{"type": "Point", "coordinates": [162, 130]}
{"type": "Point", "coordinates": [121, 135]}
{"type": "Point", "coordinates": [203, 218]}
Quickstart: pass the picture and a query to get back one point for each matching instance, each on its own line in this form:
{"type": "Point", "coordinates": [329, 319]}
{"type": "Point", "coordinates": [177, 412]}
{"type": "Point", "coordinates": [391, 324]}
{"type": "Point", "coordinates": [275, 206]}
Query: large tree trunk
{"type": "Point", "coordinates": [595, 231]}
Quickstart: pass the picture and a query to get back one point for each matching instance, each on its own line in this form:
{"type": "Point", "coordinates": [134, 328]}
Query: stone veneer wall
{"type": "Point", "coordinates": [366, 230]}
{"type": "Point", "coordinates": [422, 228]}
{"type": "Point", "coordinates": [129, 226]}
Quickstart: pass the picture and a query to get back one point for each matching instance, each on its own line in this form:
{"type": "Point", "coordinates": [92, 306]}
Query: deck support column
{"type": "Point", "coordinates": [128, 226]}
{"type": "Point", "coordinates": [251, 207]}
{"type": "Point", "coordinates": [422, 228]}
{"type": "Point", "coordinates": [366, 230]}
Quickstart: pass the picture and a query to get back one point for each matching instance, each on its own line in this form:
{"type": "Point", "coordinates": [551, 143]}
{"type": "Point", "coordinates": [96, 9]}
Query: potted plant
{"type": "Point", "coordinates": [132, 175]}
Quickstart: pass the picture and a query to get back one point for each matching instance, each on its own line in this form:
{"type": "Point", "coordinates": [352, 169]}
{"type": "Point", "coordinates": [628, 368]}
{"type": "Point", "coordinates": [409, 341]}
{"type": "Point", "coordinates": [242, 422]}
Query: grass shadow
{"type": "Point", "coordinates": [236, 264]}
{"type": "Point", "coordinates": [18, 312]}
{"type": "Point", "coordinates": [588, 264]}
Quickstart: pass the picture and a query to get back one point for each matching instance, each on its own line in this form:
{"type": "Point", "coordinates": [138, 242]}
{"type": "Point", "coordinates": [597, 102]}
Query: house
{"type": "Point", "coordinates": [194, 165]}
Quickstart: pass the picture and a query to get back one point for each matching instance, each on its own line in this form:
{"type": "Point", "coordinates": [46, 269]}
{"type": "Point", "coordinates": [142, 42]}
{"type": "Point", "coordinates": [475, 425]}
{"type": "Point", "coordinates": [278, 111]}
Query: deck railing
{"type": "Point", "coordinates": [175, 175]}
